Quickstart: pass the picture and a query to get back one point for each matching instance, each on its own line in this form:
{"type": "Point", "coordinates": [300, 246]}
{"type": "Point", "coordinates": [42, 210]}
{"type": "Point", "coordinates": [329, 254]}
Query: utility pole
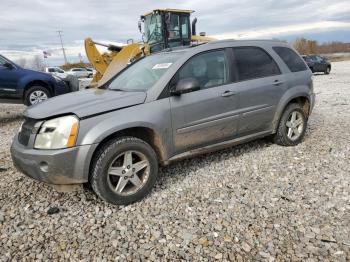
{"type": "Point", "coordinates": [64, 52]}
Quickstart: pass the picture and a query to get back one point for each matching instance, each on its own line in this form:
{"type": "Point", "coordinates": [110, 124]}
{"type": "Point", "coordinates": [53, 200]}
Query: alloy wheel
{"type": "Point", "coordinates": [128, 172]}
{"type": "Point", "coordinates": [37, 96]}
{"type": "Point", "coordinates": [295, 125]}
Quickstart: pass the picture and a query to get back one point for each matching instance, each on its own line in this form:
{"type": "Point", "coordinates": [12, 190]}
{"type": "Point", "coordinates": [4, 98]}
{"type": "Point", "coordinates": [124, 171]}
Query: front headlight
{"type": "Point", "coordinates": [57, 133]}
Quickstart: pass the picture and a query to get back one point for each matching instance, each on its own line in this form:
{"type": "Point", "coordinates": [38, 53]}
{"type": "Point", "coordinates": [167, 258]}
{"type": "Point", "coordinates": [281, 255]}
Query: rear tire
{"type": "Point", "coordinates": [35, 95]}
{"type": "Point", "coordinates": [292, 126]}
{"type": "Point", "coordinates": [124, 171]}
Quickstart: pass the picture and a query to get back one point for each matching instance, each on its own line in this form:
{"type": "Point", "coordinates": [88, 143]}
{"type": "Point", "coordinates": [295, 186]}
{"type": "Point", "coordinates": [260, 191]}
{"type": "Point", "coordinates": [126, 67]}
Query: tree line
{"type": "Point", "coordinates": [305, 47]}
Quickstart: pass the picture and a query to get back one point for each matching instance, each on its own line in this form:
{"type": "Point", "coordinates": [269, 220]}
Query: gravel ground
{"type": "Point", "coordinates": [258, 201]}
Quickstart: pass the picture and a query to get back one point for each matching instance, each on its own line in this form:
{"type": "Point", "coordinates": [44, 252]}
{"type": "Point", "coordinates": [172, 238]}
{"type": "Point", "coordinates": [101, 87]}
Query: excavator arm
{"type": "Point", "coordinates": [109, 64]}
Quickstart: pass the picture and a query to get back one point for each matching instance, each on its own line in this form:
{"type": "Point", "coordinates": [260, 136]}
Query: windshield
{"type": "Point", "coordinates": [143, 74]}
{"type": "Point", "coordinates": [153, 29]}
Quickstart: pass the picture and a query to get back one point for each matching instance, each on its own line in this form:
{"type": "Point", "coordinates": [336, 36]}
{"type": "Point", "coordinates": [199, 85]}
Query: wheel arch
{"type": "Point", "coordinates": [38, 83]}
{"type": "Point", "coordinates": [146, 134]}
{"type": "Point", "coordinates": [301, 99]}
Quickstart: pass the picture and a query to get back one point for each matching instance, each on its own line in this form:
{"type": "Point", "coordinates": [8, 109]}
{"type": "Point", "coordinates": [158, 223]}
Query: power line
{"type": "Point", "coordinates": [64, 52]}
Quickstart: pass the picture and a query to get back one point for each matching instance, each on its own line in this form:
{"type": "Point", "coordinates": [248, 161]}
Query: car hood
{"type": "Point", "coordinates": [37, 73]}
{"type": "Point", "coordinates": [85, 103]}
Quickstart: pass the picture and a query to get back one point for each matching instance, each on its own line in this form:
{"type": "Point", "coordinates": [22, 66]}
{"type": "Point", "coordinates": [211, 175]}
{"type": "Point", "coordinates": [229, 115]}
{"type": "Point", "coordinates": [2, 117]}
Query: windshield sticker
{"type": "Point", "coordinates": [162, 66]}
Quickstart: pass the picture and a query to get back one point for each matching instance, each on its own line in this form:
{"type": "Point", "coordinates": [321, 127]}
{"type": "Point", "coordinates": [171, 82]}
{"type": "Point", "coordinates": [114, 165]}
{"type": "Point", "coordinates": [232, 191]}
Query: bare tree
{"type": "Point", "coordinates": [38, 63]}
{"type": "Point", "coordinates": [301, 46]}
{"type": "Point", "coordinates": [305, 47]}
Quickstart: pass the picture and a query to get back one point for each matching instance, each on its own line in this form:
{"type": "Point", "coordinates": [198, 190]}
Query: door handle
{"type": "Point", "coordinates": [278, 82]}
{"type": "Point", "coordinates": [228, 93]}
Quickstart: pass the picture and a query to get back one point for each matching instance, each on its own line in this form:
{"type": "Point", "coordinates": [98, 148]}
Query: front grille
{"type": "Point", "coordinates": [24, 134]}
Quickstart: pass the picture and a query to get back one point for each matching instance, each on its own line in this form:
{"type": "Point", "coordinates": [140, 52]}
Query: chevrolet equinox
{"type": "Point", "coordinates": [163, 108]}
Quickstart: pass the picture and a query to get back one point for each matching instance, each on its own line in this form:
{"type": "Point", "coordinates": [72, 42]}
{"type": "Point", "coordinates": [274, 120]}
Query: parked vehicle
{"type": "Point", "coordinates": [80, 72]}
{"type": "Point", "coordinates": [318, 63]}
{"type": "Point", "coordinates": [163, 108]}
{"type": "Point", "coordinates": [56, 71]}
{"type": "Point", "coordinates": [19, 85]}
{"type": "Point", "coordinates": [71, 80]}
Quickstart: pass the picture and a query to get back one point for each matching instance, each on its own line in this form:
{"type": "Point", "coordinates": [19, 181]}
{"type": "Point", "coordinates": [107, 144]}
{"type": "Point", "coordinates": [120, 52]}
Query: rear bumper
{"type": "Point", "coordinates": [58, 167]}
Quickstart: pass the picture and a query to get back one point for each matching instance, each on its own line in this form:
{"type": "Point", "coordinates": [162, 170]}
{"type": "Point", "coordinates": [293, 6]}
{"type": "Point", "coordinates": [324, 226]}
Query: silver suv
{"type": "Point", "coordinates": [163, 108]}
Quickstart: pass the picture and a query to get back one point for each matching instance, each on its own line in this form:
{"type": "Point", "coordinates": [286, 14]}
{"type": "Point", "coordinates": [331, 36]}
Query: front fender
{"type": "Point", "coordinates": [29, 78]}
{"type": "Point", "coordinates": [154, 116]}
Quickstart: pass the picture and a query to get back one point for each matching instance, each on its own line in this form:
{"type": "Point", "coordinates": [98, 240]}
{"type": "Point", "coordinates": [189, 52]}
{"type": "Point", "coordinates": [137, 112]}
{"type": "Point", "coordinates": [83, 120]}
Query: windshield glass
{"type": "Point", "coordinates": [143, 74]}
{"type": "Point", "coordinates": [153, 29]}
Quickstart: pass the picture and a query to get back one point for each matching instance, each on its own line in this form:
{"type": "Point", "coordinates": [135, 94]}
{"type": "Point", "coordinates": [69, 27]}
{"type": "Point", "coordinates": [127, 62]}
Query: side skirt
{"type": "Point", "coordinates": [217, 146]}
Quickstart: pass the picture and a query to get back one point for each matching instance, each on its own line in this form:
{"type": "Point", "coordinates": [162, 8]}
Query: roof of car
{"type": "Point", "coordinates": [247, 41]}
{"type": "Point", "coordinates": [223, 43]}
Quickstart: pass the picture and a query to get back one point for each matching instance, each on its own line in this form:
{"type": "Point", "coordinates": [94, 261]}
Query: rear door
{"type": "Point", "coordinates": [260, 85]}
{"type": "Point", "coordinates": [210, 114]}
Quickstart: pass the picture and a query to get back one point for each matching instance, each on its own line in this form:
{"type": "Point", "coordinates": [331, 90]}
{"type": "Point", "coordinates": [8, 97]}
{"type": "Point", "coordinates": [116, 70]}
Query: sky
{"type": "Point", "coordinates": [27, 27]}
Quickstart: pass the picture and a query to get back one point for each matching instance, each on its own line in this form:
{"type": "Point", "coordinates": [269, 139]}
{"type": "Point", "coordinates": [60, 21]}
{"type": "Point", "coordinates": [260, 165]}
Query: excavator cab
{"type": "Point", "coordinates": [166, 28]}
{"type": "Point", "coordinates": [162, 29]}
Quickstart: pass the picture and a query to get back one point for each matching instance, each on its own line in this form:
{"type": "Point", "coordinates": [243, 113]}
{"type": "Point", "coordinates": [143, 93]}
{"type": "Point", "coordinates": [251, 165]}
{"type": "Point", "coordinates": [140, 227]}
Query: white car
{"type": "Point", "coordinates": [80, 72]}
{"type": "Point", "coordinates": [56, 71]}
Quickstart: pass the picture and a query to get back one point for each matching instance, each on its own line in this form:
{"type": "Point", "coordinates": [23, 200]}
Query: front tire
{"type": "Point", "coordinates": [124, 171]}
{"type": "Point", "coordinates": [292, 126]}
{"type": "Point", "coordinates": [35, 95]}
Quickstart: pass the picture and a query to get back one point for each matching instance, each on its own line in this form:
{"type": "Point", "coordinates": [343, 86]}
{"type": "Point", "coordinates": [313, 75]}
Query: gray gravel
{"type": "Point", "coordinates": [258, 201]}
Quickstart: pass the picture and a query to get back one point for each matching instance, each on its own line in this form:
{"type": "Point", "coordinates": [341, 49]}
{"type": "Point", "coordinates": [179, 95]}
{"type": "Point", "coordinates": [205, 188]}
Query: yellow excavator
{"type": "Point", "coordinates": [162, 29]}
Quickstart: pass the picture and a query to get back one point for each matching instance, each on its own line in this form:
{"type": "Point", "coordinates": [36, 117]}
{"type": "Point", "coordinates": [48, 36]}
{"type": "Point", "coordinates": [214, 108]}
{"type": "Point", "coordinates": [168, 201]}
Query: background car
{"type": "Point", "coordinates": [71, 80]}
{"type": "Point", "coordinates": [318, 63]}
{"type": "Point", "coordinates": [19, 85]}
{"type": "Point", "coordinates": [80, 72]}
{"type": "Point", "coordinates": [91, 70]}
{"type": "Point", "coordinates": [56, 71]}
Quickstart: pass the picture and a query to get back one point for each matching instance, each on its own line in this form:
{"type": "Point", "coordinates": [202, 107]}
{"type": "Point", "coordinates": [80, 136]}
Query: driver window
{"type": "Point", "coordinates": [210, 69]}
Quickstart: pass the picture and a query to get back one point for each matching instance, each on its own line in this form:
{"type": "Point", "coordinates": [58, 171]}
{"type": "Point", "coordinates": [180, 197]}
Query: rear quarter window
{"type": "Point", "coordinates": [290, 58]}
{"type": "Point", "coordinates": [252, 63]}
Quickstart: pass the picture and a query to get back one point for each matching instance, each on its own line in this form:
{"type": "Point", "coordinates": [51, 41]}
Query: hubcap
{"type": "Point", "coordinates": [37, 97]}
{"type": "Point", "coordinates": [128, 172]}
{"type": "Point", "coordinates": [295, 125]}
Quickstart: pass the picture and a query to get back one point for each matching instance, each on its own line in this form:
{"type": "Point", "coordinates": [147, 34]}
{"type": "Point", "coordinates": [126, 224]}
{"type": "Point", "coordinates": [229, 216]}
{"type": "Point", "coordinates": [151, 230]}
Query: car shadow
{"type": "Point", "coordinates": [178, 170]}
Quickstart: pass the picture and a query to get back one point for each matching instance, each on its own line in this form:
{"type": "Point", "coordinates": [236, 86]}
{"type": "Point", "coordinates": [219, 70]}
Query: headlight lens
{"type": "Point", "coordinates": [57, 133]}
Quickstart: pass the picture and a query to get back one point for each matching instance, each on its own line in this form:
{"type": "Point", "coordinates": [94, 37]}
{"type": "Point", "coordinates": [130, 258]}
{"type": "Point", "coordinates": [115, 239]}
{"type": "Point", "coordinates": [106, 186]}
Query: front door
{"type": "Point", "coordinates": [210, 114]}
{"type": "Point", "coordinates": [8, 79]}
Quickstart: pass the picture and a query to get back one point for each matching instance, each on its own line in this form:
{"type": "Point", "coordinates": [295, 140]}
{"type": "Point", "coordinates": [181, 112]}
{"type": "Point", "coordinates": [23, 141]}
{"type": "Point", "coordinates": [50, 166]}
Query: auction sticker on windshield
{"type": "Point", "coordinates": [162, 66]}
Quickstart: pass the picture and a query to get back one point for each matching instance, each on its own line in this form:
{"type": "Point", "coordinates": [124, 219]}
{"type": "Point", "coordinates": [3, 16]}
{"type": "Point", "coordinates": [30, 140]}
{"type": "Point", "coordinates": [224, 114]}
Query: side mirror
{"type": "Point", "coordinates": [8, 65]}
{"type": "Point", "coordinates": [186, 85]}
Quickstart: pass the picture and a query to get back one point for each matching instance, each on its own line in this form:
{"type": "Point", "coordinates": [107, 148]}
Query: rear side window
{"type": "Point", "coordinates": [290, 58]}
{"type": "Point", "coordinates": [252, 63]}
